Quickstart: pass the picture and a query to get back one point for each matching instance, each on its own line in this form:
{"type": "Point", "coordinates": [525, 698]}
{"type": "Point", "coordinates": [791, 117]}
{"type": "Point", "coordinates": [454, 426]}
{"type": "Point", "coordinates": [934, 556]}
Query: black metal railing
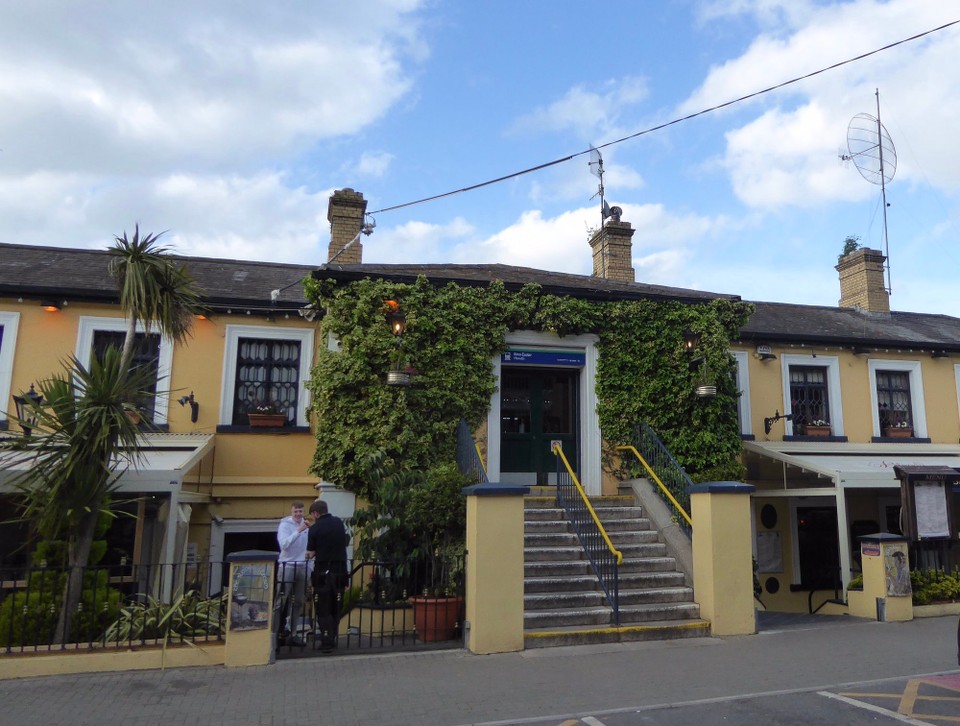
{"type": "Point", "coordinates": [468, 455]}
{"type": "Point", "coordinates": [381, 606]}
{"type": "Point", "coordinates": [118, 607]}
{"type": "Point", "coordinates": [604, 558]}
{"type": "Point", "coordinates": [673, 482]}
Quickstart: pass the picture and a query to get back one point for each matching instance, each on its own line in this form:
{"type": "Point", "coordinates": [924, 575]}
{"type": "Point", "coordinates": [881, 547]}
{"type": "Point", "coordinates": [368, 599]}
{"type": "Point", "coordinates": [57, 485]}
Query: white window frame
{"type": "Point", "coordinates": [832, 364]}
{"type": "Point", "coordinates": [89, 325]}
{"type": "Point", "coordinates": [918, 410]}
{"type": "Point", "coordinates": [10, 322]}
{"type": "Point", "coordinates": [233, 334]}
{"type": "Point", "coordinates": [743, 386]}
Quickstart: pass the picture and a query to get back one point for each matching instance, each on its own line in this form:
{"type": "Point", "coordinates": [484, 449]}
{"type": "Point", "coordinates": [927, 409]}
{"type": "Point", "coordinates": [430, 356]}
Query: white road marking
{"type": "Point", "coordinates": [875, 709]}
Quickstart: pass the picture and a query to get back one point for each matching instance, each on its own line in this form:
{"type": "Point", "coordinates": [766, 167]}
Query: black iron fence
{"type": "Point", "coordinates": [379, 606]}
{"type": "Point", "coordinates": [666, 470]}
{"type": "Point", "coordinates": [119, 606]}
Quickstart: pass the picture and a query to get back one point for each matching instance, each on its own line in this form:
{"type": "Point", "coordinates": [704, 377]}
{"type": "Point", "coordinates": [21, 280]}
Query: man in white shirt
{"type": "Point", "coordinates": [291, 574]}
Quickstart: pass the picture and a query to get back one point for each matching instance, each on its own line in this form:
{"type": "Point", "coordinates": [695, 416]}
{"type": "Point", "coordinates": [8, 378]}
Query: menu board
{"type": "Point", "coordinates": [931, 504]}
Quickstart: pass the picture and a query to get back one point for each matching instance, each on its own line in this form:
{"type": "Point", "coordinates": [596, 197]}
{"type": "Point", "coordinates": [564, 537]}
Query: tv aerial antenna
{"type": "Point", "coordinates": [871, 150]}
{"type": "Point", "coordinates": [596, 168]}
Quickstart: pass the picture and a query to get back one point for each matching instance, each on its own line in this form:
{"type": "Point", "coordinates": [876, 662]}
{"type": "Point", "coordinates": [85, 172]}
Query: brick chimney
{"type": "Point", "coordinates": [861, 281]}
{"type": "Point", "coordinates": [612, 250]}
{"type": "Point", "coordinates": [345, 214]}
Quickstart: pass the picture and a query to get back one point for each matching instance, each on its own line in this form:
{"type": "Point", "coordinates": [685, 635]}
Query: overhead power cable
{"type": "Point", "coordinates": [675, 121]}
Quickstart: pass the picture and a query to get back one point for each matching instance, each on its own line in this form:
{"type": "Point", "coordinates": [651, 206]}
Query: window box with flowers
{"type": "Point", "coordinates": [901, 430]}
{"type": "Point", "coordinates": [818, 427]}
{"type": "Point", "coordinates": [267, 415]}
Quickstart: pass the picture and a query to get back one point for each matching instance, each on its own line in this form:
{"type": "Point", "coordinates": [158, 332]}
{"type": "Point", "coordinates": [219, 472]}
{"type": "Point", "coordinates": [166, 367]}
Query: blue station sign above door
{"type": "Point", "coordinates": [542, 357]}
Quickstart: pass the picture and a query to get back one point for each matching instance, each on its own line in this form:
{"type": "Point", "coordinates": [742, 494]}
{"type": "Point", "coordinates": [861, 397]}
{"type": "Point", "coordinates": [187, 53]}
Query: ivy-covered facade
{"type": "Point", "coordinates": [475, 335]}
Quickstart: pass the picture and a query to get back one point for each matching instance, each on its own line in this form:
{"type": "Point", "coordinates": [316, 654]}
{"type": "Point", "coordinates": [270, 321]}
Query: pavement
{"type": "Point", "coordinates": [799, 669]}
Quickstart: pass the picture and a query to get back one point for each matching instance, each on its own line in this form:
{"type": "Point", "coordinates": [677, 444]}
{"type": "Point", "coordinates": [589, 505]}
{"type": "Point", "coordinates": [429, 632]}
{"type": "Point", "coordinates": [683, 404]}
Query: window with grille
{"type": "Point", "coordinates": [267, 374]}
{"type": "Point", "coordinates": [146, 354]}
{"type": "Point", "coordinates": [809, 402]}
{"type": "Point", "coordinates": [893, 399]}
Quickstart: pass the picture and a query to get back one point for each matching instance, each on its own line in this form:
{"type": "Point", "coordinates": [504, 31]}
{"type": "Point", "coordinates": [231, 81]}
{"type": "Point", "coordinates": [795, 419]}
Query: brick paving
{"type": "Point", "coordinates": [455, 687]}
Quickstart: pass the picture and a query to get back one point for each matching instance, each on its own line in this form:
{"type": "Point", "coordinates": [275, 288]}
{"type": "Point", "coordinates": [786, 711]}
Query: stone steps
{"type": "Point", "coordinates": [563, 601]}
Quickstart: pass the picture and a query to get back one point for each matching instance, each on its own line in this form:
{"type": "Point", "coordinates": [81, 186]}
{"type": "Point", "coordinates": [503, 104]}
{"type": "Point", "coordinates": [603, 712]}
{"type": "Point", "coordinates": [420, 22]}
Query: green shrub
{"type": "Point", "coordinates": [29, 616]}
{"type": "Point", "coordinates": [188, 617]}
{"type": "Point", "coordinates": [933, 586]}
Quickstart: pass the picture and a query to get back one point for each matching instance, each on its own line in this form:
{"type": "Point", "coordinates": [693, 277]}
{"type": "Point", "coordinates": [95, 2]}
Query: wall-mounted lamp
{"type": "Point", "coordinates": [396, 319]}
{"type": "Point", "coordinates": [764, 352]}
{"type": "Point", "coordinates": [28, 409]}
{"type": "Point", "coordinates": [51, 306]}
{"type": "Point", "coordinates": [194, 406]}
{"type": "Point", "coordinates": [770, 420]}
{"type": "Point", "coordinates": [940, 354]}
{"type": "Point", "coordinates": [690, 341]}
{"type": "Point", "coordinates": [860, 350]}
{"type": "Point", "coordinates": [217, 520]}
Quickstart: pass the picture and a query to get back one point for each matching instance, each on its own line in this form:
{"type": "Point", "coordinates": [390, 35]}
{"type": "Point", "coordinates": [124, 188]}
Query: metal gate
{"type": "Point", "coordinates": [377, 613]}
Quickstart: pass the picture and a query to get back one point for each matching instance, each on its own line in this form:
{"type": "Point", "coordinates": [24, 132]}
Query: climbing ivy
{"type": "Point", "coordinates": [454, 332]}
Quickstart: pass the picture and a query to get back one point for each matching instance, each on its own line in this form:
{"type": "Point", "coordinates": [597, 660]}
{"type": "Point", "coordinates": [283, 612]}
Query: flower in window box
{"type": "Point", "coordinates": [817, 427]}
{"type": "Point", "coordinates": [899, 430]}
{"type": "Point", "coordinates": [267, 414]}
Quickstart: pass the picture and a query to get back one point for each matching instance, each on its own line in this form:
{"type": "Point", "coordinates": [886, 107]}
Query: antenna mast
{"type": "Point", "coordinates": [872, 151]}
{"type": "Point", "coordinates": [883, 192]}
{"type": "Point", "coordinates": [596, 168]}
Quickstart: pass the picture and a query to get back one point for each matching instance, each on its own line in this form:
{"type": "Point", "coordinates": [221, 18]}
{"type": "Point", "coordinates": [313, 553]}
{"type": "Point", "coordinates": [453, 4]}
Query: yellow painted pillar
{"type": "Point", "coordinates": [250, 637]}
{"type": "Point", "coordinates": [887, 594]}
{"type": "Point", "coordinates": [723, 556]}
{"type": "Point", "coordinates": [494, 568]}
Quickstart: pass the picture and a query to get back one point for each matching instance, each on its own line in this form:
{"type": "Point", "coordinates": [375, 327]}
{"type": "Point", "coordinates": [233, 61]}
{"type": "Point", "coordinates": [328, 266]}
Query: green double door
{"type": "Point", "coordinates": [537, 407]}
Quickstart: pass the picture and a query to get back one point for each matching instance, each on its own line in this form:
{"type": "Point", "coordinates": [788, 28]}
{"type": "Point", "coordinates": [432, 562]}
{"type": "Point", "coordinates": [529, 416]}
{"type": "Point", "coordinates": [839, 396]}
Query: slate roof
{"type": "Point", "coordinates": [583, 286]}
{"type": "Point", "coordinates": [42, 272]}
{"type": "Point", "coordinates": [784, 322]}
{"type": "Point", "coordinates": [32, 271]}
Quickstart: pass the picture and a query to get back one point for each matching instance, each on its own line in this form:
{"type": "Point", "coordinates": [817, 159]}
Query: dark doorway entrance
{"type": "Point", "coordinates": [537, 406]}
{"type": "Point", "coordinates": [818, 547]}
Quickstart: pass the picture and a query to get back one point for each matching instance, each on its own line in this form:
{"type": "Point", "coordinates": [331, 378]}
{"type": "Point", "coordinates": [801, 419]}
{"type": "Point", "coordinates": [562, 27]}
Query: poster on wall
{"type": "Point", "coordinates": [897, 570]}
{"type": "Point", "coordinates": [769, 552]}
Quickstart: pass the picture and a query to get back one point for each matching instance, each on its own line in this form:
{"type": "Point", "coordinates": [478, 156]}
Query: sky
{"type": "Point", "coordinates": [228, 124]}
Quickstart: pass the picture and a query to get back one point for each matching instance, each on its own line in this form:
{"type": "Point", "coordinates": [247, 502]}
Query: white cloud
{"type": "Point", "coordinates": [374, 163]}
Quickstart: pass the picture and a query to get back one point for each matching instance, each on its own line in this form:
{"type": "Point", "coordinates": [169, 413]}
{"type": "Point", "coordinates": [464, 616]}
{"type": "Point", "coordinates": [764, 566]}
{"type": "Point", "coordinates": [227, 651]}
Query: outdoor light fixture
{"type": "Point", "coordinates": [396, 319]}
{"type": "Point", "coordinates": [50, 306]}
{"type": "Point", "coordinates": [940, 354]}
{"type": "Point", "coordinates": [765, 352]}
{"type": "Point", "coordinates": [194, 406]}
{"type": "Point", "coordinates": [770, 420]}
{"type": "Point", "coordinates": [690, 341]}
{"type": "Point", "coordinates": [27, 409]}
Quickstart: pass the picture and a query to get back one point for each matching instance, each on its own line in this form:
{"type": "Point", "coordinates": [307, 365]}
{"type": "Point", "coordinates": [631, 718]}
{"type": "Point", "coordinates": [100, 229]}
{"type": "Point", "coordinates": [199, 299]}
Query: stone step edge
{"type": "Point", "coordinates": [535, 633]}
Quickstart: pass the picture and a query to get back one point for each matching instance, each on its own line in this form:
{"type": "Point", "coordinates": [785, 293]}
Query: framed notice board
{"type": "Point", "coordinates": [926, 497]}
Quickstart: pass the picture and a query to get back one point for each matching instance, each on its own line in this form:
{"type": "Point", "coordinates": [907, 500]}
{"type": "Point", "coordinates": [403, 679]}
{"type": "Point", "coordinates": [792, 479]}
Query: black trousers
{"type": "Point", "coordinates": [326, 606]}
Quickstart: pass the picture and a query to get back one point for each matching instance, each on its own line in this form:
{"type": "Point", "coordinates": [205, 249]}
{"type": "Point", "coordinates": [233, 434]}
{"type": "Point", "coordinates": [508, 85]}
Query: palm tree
{"type": "Point", "coordinates": [84, 438]}
{"type": "Point", "coordinates": [154, 290]}
{"type": "Point", "coordinates": [82, 441]}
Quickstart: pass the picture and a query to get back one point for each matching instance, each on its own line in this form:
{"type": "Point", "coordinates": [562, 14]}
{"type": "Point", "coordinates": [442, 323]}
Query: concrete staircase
{"type": "Point", "coordinates": [563, 602]}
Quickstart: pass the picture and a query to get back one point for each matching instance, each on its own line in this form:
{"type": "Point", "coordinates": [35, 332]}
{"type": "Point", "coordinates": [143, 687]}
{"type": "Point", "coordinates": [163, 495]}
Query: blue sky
{"type": "Point", "coordinates": [230, 123]}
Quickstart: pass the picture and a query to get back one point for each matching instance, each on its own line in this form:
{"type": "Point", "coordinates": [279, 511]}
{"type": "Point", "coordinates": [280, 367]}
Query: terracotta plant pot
{"type": "Point", "coordinates": [816, 431]}
{"type": "Point", "coordinates": [436, 618]}
{"type": "Point", "coordinates": [262, 420]}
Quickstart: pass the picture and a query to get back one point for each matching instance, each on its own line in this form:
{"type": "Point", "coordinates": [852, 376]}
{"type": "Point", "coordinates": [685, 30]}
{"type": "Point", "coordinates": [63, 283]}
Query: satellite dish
{"type": "Point", "coordinates": [871, 149]}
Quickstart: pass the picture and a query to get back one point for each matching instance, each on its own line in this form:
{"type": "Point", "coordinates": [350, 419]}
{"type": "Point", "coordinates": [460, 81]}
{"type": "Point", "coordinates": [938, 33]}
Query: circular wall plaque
{"type": "Point", "coordinates": [768, 516]}
{"type": "Point", "coordinates": [772, 584]}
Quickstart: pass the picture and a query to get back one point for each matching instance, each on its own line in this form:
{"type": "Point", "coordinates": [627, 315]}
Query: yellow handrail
{"type": "Point", "coordinates": [480, 459]}
{"type": "Point", "coordinates": [558, 450]}
{"type": "Point", "coordinates": [653, 475]}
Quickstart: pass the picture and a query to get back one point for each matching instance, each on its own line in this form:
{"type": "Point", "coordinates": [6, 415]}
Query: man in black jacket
{"type": "Point", "coordinates": [327, 542]}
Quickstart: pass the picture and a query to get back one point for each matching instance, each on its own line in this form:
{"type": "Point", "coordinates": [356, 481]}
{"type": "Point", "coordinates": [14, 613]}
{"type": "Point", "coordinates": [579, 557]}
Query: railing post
{"type": "Point", "coordinates": [723, 556]}
{"type": "Point", "coordinates": [250, 637]}
{"type": "Point", "coordinates": [494, 581]}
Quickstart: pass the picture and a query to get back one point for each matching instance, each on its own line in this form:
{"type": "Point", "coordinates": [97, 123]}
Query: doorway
{"type": "Point", "coordinates": [818, 547]}
{"type": "Point", "coordinates": [538, 406]}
